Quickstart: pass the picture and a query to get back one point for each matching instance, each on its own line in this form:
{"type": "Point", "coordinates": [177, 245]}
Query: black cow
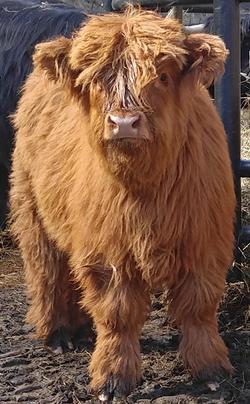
{"type": "Point", "coordinates": [23, 24]}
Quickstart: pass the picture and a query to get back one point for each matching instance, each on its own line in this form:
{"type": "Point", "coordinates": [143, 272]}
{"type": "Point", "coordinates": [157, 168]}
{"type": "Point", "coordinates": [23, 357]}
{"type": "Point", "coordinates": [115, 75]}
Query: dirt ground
{"type": "Point", "coordinates": [30, 373]}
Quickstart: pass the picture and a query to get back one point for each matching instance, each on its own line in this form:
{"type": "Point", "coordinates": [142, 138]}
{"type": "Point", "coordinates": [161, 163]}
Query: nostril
{"type": "Point", "coordinates": [111, 121]}
{"type": "Point", "coordinates": [136, 122]}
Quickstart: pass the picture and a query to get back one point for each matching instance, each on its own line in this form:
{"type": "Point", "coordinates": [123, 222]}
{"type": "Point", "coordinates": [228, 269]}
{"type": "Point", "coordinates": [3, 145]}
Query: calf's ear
{"type": "Point", "coordinates": [207, 55]}
{"type": "Point", "coordinates": [52, 57]}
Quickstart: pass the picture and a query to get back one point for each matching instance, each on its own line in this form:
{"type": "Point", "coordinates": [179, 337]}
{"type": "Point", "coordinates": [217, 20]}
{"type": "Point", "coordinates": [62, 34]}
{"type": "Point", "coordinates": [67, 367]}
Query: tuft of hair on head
{"type": "Point", "coordinates": [119, 53]}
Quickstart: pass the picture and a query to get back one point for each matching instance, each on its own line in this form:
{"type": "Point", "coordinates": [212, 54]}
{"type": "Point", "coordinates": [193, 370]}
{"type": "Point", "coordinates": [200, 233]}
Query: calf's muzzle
{"type": "Point", "coordinates": [126, 125]}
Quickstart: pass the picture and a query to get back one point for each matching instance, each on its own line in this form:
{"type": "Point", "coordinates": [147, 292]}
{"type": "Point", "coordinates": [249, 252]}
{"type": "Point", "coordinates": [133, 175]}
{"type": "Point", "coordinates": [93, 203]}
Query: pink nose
{"type": "Point", "coordinates": [123, 126]}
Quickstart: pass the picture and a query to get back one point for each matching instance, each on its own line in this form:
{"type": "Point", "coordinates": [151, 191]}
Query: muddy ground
{"type": "Point", "coordinates": [30, 373]}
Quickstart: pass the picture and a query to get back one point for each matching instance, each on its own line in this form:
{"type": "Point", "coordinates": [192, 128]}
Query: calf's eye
{"type": "Point", "coordinates": [163, 77]}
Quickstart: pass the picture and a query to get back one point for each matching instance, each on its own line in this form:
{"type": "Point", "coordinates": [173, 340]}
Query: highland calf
{"type": "Point", "coordinates": [122, 185]}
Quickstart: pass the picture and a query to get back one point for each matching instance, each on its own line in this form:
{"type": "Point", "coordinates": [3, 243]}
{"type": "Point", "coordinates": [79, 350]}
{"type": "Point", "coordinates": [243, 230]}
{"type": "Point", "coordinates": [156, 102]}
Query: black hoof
{"type": "Point", "coordinates": [84, 335]}
{"type": "Point", "coordinates": [215, 375]}
{"type": "Point", "coordinates": [115, 390]}
{"type": "Point", "coordinates": [60, 341]}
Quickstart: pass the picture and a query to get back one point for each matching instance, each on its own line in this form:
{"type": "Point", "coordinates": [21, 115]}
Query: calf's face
{"type": "Point", "coordinates": [126, 71]}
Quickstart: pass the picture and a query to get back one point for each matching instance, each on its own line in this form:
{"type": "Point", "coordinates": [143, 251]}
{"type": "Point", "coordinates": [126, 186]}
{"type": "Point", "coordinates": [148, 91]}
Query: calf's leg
{"type": "Point", "coordinates": [194, 303]}
{"type": "Point", "coordinates": [119, 307]}
{"type": "Point", "coordinates": [53, 307]}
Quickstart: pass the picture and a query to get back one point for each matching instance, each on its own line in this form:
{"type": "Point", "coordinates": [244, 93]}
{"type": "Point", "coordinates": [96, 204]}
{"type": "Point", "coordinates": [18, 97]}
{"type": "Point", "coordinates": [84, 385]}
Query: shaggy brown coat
{"type": "Point", "coordinates": [101, 223]}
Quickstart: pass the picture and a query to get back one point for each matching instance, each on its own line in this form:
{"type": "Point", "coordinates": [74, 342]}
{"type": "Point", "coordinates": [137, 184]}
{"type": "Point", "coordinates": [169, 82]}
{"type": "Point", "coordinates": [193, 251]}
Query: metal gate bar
{"type": "Point", "coordinates": [118, 4]}
{"type": "Point", "coordinates": [227, 90]}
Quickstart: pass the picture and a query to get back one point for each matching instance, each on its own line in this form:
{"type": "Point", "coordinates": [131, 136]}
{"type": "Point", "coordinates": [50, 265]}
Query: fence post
{"type": "Point", "coordinates": [227, 91]}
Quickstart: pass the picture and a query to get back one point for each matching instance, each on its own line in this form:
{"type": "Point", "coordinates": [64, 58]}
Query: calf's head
{"type": "Point", "coordinates": [128, 72]}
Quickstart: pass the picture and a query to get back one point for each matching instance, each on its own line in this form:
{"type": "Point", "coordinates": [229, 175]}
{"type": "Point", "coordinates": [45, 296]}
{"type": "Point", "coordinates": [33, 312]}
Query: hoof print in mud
{"type": "Point", "coordinates": [60, 341]}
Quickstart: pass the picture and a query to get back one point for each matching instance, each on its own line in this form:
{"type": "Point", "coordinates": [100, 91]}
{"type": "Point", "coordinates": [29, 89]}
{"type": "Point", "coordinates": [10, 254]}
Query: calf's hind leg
{"type": "Point", "coordinates": [50, 290]}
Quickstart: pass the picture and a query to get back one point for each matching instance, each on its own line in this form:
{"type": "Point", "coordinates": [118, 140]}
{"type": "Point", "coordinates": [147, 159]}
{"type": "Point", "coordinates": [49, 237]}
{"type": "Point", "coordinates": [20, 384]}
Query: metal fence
{"type": "Point", "coordinates": [227, 90]}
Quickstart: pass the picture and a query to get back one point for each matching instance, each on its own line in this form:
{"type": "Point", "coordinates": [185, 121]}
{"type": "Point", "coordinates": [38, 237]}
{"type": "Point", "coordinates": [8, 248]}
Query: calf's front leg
{"type": "Point", "coordinates": [119, 306]}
